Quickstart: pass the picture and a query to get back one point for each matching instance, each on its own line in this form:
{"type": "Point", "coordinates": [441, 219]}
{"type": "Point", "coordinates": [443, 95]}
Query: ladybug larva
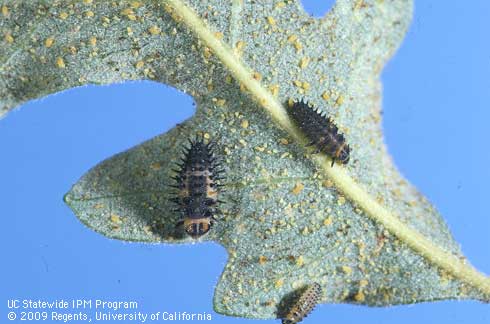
{"type": "Point", "coordinates": [321, 131]}
{"type": "Point", "coordinates": [304, 304]}
{"type": "Point", "coordinates": [197, 181]}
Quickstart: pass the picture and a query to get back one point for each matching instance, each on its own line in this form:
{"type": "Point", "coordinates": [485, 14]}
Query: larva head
{"type": "Point", "coordinates": [343, 154]}
{"type": "Point", "coordinates": [293, 318]}
{"type": "Point", "coordinates": [197, 227]}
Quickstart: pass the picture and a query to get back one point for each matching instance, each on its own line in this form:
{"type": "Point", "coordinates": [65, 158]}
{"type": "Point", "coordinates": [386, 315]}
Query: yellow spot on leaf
{"type": "Point", "coordinates": [328, 221]}
{"type": "Point", "coordinates": [341, 200]}
{"type": "Point", "coordinates": [300, 261]}
{"type": "Point", "coordinates": [363, 283]}
{"type": "Point", "coordinates": [105, 21]}
{"type": "Point", "coordinates": [63, 15]}
{"type": "Point", "coordinates": [303, 85]}
{"type": "Point", "coordinates": [262, 259]}
{"type": "Point", "coordinates": [244, 123]}
{"type": "Point", "coordinates": [243, 88]}
{"type": "Point", "coordinates": [116, 221]}
{"type": "Point", "coordinates": [115, 218]}
{"type": "Point", "coordinates": [135, 4]}
{"type": "Point", "coordinates": [347, 270]}
{"type": "Point", "coordinates": [9, 38]}
{"type": "Point", "coordinates": [326, 95]}
{"type": "Point", "coordinates": [304, 62]}
{"type": "Point", "coordinates": [340, 100]}
{"type": "Point", "coordinates": [359, 297]}
{"type": "Point", "coordinates": [49, 42]}
{"type": "Point", "coordinates": [207, 52]}
{"type": "Point", "coordinates": [274, 89]}
{"type": "Point", "coordinates": [220, 102]}
{"type": "Point", "coordinates": [60, 63]}
{"type": "Point", "coordinates": [139, 64]}
{"type": "Point", "coordinates": [156, 166]}
{"type": "Point", "coordinates": [279, 283]}
{"type": "Point", "coordinates": [297, 45]}
{"type": "Point", "coordinates": [129, 13]}
{"type": "Point", "coordinates": [271, 21]}
{"type": "Point", "coordinates": [239, 46]}
{"type": "Point", "coordinates": [327, 183]}
{"type": "Point", "coordinates": [154, 30]}
{"type": "Point", "coordinates": [5, 10]}
{"type": "Point", "coordinates": [280, 5]}
{"type": "Point", "coordinates": [89, 14]}
{"type": "Point", "coordinates": [298, 188]}
{"type": "Point", "coordinates": [93, 41]}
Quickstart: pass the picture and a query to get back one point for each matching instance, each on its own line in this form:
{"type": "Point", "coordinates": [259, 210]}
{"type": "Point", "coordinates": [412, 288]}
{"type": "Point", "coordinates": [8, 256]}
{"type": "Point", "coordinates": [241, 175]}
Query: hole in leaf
{"type": "Point", "coordinates": [91, 123]}
{"type": "Point", "coordinates": [317, 8]}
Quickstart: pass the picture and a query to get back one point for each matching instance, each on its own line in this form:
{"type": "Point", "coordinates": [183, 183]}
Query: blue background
{"type": "Point", "coordinates": [436, 98]}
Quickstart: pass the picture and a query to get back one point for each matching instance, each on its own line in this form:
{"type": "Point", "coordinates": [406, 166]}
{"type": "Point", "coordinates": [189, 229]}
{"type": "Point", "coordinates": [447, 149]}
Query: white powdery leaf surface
{"type": "Point", "coordinates": [284, 224]}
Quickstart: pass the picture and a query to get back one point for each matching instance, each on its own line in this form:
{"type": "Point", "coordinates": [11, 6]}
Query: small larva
{"type": "Point", "coordinates": [321, 131]}
{"type": "Point", "coordinates": [304, 304]}
{"type": "Point", "coordinates": [197, 182]}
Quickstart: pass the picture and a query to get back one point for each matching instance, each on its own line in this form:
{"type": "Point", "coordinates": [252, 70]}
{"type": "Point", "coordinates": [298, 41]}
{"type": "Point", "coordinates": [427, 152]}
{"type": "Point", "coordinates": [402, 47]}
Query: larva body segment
{"type": "Point", "coordinates": [197, 182]}
{"type": "Point", "coordinates": [304, 304]}
{"type": "Point", "coordinates": [321, 131]}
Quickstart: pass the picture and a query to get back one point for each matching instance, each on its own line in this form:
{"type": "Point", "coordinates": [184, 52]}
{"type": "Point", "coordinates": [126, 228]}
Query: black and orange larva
{"type": "Point", "coordinates": [304, 304]}
{"type": "Point", "coordinates": [320, 130]}
{"type": "Point", "coordinates": [198, 184]}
